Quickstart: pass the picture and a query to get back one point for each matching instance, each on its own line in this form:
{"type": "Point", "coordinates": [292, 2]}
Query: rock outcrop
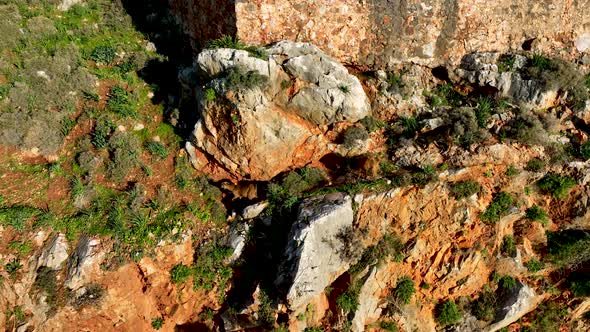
{"type": "Point", "coordinates": [483, 69]}
{"type": "Point", "coordinates": [261, 115]}
{"type": "Point", "coordinates": [521, 301]}
{"type": "Point", "coordinates": [55, 254]}
{"type": "Point", "coordinates": [381, 33]}
{"type": "Point", "coordinates": [313, 257]}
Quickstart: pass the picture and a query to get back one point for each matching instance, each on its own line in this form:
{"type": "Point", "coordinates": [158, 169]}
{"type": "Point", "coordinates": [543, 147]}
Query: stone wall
{"type": "Point", "coordinates": [381, 33]}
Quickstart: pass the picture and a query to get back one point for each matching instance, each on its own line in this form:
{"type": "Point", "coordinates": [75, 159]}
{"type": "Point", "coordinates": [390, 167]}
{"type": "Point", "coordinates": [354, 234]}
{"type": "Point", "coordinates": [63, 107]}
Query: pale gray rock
{"type": "Point", "coordinates": [86, 258]}
{"type": "Point", "coordinates": [236, 239]}
{"type": "Point", "coordinates": [522, 300]}
{"type": "Point", "coordinates": [482, 69]}
{"type": "Point", "coordinates": [65, 5]}
{"type": "Point", "coordinates": [254, 210]}
{"type": "Point", "coordinates": [313, 258]}
{"type": "Point", "coordinates": [55, 253]}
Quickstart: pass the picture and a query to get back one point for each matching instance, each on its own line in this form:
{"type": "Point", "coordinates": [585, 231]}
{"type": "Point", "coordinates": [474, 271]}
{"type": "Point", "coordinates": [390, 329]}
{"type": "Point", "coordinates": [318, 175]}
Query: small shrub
{"type": "Point", "coordinates": [508, 246]}
{"type": "Point", "coordinates": [101, 132]}
{"type": "Point", "coordinates": [445, 95]}
{"type": "Point", "coordinates": [568, 247]}
{"type": "Point", "coordinates": [120, 102]}
{"type": "Point", "coordinates": [556, 185]}
{"type": "Point", "coordinates": [388, 246]}
{"type": "Point", "coordinates": [157, 149]}
{"type": "Point", "coordinates": [124, 148]}
{"type": "Point", "coordinates": [238, 78]}
{"type": "Point", "coordinates": [91, 297]}
{"type": "Point", "coordinates": [180, 273]}
{"type": "Point", "coordinates": [549, 317]}
{"type": "Point", "coordinates": [536, 213]}
{"type": "Point", "coordinates": [506, 63]}
{"type": "Point", "coordinates": [465, 189]}
{"type": "Point", "coordinates": [484, 308]}
{"type": "Point", "coordinates": [405, 290]}
{"type": "Point", "coordinates": [104, 54]}
{"type": "Point", "coordinates": [425, 175]}
{"type": "Point", "coordinates": [483, 110]}
{"type": "Point", "coordinates": [157, 323]}
{"type": "Point", "coordinates": [508, 283]}
{"type": "Point", "coordinates": [410, 126]}
{"type": "Point", "coordinates": [541, 62]}
{"type": "Point", "coordinates": [448, 313]}
{"type": "Point", "coordinates": [526, 128]}
{"type": "Point", "coordinates": [464, 128]}
{"type": "Point", "coordinates": [511, 171]}
{"type": "Point", "coordinates": [579, 284]}
{"type": "Point", "coordinates": [389, 326]}
{"type": "Point", "coordinates": [372, 124]}
{"type": "Point", "coordinates": [347, 301]}
{"type": "Point", "coordinates": [499, 207]}
{"type": "Point", "coordinates": [209, 268]}
{"type": "Point", "coordinates": [534, 265]}
{"type": "Point", "coordinates": [22, 248]}
{"type": "Point", "coordinates": [585, 150]}
{"type": "Point", "coordinates": [12, 267]}
{"type": "Point", "coordinates": [235, 43]}
{"type": "Point", "coordinates": [535, 165]}
{"type": "Point", "coordinates": [17, 216]}
{"type": "Point", "coordinates": [210, 95]}
{"type": "Point", "coordinates": [354, 134]}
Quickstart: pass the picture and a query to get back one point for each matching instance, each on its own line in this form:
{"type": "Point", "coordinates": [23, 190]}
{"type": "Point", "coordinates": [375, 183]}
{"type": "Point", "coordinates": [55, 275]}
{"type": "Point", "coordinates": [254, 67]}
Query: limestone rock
{"type": "Point", "coordinates": [482, 69]}
{"type": "Point", "coordinates": [368, 309]}
{"type": "Point", "coordinates": [55, 254]}
{"type": "Point", "coordinates": [522, 300]}
{"type": "Point", "coordinates": [313, 257]}
{"type": "Point", "coordinates": [65, 5]}
{"type": "Point", "coordinates": [83, 261]}
{"type": "Point", "coordinates": [254, 210]}
{"type": "Point", "coordinates": [260, 130]}
{"type": "Point", "coordinates": [236, 239]}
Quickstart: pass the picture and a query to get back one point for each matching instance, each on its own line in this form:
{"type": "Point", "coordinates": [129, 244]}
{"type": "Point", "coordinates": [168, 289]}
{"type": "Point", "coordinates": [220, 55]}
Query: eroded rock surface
{"type": "Point", "coordinates": [257, 130]}
{"type": "Point", "coordinates": [313, 258]}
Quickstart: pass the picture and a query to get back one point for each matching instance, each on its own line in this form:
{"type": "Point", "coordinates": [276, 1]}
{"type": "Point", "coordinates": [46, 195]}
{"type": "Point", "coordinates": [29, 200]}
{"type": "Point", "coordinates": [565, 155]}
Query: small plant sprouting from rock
{"type": "Point", "coordinates": [534, 265]}
{"type": "Point", "coordinates": [535, 165]}
{"type": "Point", "coordinates": [465, 189]}
{"type": "Point", "coordinates": [512, 171]}
{"type": "Point", "coordinates": [448, 313]}
{"type": "Point", "coordinates": [508, 283]}
{"type": "Point", "coordinates": [239, 78]}
{"type": "Point", "coordinates": [536, 213]}
{"type": "Point", "coordinates": [210, 94]}
{"type": "Point", "coordinates": [410, 126]}
{"type": "Point", "coordinates": [483, 111]}
{"type": "Point", "coordinates": [506, 63]}
{"type": "Point", "coordinates": [157, 323]}
{"type": "Point", "coordinates": [344, 88]}
{"type": "Point", "coordinates": [508, 246]}
{"type": "Point", "coordinates": [557, 185]}
{"type": "Point", "coordinates": [389, 326]}
{"type": "Point", "coordinates": [499, 207]}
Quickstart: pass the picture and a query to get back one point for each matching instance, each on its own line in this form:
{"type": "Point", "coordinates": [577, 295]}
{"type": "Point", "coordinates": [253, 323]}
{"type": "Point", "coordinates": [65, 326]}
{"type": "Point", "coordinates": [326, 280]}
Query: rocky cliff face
{"type": "Point", "coordinates": [379, 34]}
